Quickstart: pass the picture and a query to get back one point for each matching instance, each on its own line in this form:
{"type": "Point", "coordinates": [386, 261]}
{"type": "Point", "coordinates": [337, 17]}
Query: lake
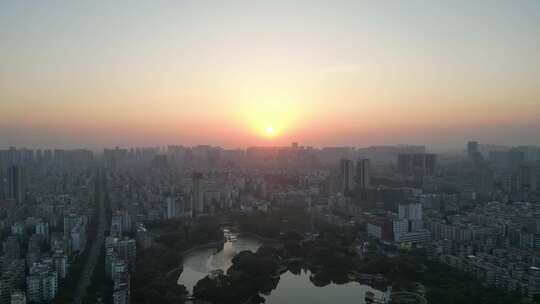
{"type": "Point", "coordinates": [292, 289]}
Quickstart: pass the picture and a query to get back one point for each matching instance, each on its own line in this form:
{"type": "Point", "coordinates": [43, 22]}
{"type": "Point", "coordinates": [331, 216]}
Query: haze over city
{"type": "Point", "coordinates": [99, 74]}
{"type": "Point", "coordinates": [270, 152]}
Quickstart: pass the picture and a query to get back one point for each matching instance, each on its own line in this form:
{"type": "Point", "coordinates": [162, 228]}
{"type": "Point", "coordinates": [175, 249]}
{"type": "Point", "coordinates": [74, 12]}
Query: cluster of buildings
{"type": "Point", "coordinates": [158, 195]}
{"type": "Point", "coordinates": [126, 233]}
{"type": "Point", "coordinates": [45, 199]}
{"type": "Point", "coordinates": [498, 243]}
{"type": "Point", "coordinates": [462, 208]}
{"type": "Point", "coordinates": [478, 213]}
{"type": "Point", "coordinates": [470, 217]}
{"type": "Point", "coordinates": [120, 257]}
{"type": "Point", "coordinates": [405, 226]}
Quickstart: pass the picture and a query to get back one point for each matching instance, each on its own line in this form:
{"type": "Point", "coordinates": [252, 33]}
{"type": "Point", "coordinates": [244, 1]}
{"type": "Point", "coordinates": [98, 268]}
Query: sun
{"type": "Point", "coordinates": [267, 117]}
{"type": "Point", "coordinates": [269, 132]}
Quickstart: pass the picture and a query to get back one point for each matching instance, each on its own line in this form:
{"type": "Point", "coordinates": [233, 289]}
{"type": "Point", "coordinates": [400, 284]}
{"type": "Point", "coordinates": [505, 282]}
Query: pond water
{"type": "Point", "coordinates": [201, 262]}
{"type": "Point", "coordinates": [291, 289]}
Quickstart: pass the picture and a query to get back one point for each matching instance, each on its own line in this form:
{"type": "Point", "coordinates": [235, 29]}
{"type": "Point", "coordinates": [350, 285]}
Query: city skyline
{"type": "Point", "coordinates": [104, 74]}
{"type": "Point", "coordinates": [247, 151]}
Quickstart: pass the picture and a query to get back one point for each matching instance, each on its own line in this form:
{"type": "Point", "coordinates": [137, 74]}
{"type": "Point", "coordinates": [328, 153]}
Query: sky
{"type": "Point", "coordinates": [105, 73]}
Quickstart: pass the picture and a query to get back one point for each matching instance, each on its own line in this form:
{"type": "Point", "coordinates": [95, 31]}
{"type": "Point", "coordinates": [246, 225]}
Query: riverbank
{"type": "Point", "coordinates": [159, 267]}
{"type": "Point", "coordinates": [179, 269]}
{"type": "Point", "coordinates": [254, 274]}
{"type": "Point", "coordinates": [203, 246]}
{"type": "Point", "coordinates": [259, 237]}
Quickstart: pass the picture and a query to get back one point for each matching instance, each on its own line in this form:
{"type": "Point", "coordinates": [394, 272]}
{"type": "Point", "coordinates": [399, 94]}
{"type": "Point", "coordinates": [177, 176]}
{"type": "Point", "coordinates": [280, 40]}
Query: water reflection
{"type": "Point", "coordinates": [299, 287]}
{"type": "Point", "coordinates": [200, 262]}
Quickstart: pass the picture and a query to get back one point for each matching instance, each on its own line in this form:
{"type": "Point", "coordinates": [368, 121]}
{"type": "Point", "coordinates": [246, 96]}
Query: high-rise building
{"type": "Point", "coordinates": [42, 282]}
{"type": "Point", "coordinates": [61, 264]}
{"type": "Point", "coordinates": [380, 228]}
{"type": "Point", "coordinates": [409, 227]}
{"type": "Point", "coordinates": [13, 273]}
{"type": "Point", "coordinates": [47, 155]}
{"type": "Point", "coordinates": [528, 177]}
{"type": "Point", "coordinates": [39, 155]}
{"type": "Point", "coordinates": [11, 247]}
{"type": "Point", "coordinates": [422, 164]}
{"type": "Point", "coordinates": [508, 160]}
{"type": "Point", "coordinates": [533, 281]}
{"type": "Point", "coordinates": [362, 173]}
{"type": "Point", "coordinates": [143, 237]}
{"type": "Point", "coordinates": [125, 249]}
{"type": "Point", "coordinates": [121, 288]}
{"type": "Point", "coordinates": [72, 220]}
{"type": "Point", "coordinates": [33, 254]}
{"type": "Point", "coordinates": [346, 175]}
{"type": "Point", "coordinates": [42, 228]}
{"type": "Point", "coordinates": [16, 186]}
{"type": "Point", "coordinates": [197, 197]}
{"type": "Point", "coordinates": [127, 222]}
{"type": "Point", "coordinates": [160, 161]}
{"type": "Point", "coordinates": [121, 221]}
{"type": "Point", "coordinates": [171, 207]}
{"type": "Point", "coordinates": [78, 238]}
{"type": "Point", "coordinates": [430, 163]}
{"type": "Point", "coordinates": [473, 152]}
{"type": "Point", "coordinates": [33, 287]}
{"type": "Point", "coordinates": [410, 211]}
{"type": "Point", "coordinates": [5, 290]}
{"type": "Point", "coordinates": [18, 297]}
{"type": "Point", "coordinates": [405, 164]}
{"type": "Point", "coordinates": [18, 229]}
{"type": "Point", "coordinates": [472, 149]}
{"type": "Point", "coordinates": [116, 226]}
{"type": "Point", "coordinates": [42, 287]}
{"type": "Point", "coordinates": [516, 157]}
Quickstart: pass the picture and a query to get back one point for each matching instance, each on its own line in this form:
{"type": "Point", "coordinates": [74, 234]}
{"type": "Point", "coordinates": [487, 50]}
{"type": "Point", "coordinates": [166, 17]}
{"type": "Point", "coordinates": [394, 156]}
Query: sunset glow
{"type": "Point", "coordinates": [325, 74]}
{"type": "Point", "coordinates": [290, 147]}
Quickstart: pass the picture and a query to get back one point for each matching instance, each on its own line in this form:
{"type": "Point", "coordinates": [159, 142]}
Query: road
{"type": "Point", "coordinates": [97, 245]}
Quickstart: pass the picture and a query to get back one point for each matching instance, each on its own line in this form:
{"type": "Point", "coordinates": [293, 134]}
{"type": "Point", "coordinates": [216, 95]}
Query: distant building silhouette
{"type": "Point", "coordinates": [473, 152]}
{"type": "Point", "coordinates": [16, 183]}
{"type": "Point", "coordinates": [346, 175]}
{"type": "Point", "coordinates": [417, 164]}
{"type": "Point", "coordinates": [171, 207]}
{"type": "Point", "coordinates": [472, 149]}
{"type": "Point", "coordinates": [362, 173]}
{"type": "Point", "coordinates": [197, 193]}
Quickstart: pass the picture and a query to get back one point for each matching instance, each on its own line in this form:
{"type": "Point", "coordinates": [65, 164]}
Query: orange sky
{"type": "Point", "coordinates": [320, 73]}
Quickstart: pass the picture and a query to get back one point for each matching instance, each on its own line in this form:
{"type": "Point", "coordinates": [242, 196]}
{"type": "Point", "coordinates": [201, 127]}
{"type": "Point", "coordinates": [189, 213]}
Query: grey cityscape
{"type": "Point", "coordinates": [278, 152]}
